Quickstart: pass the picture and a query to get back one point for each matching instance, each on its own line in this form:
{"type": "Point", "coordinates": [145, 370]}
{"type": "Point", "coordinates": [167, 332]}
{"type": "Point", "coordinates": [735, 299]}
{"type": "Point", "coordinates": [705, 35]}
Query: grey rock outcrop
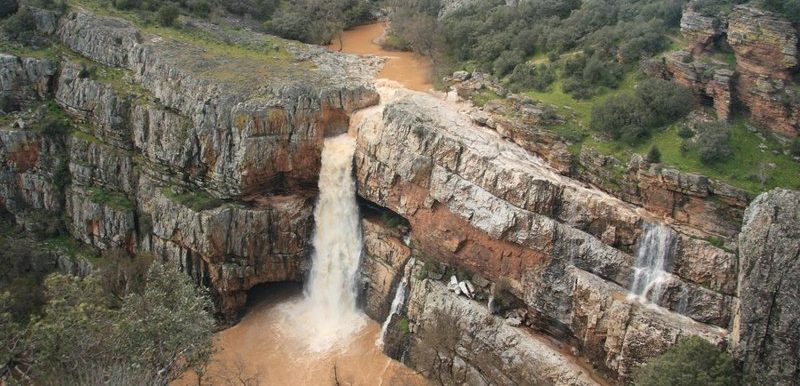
{"type": "Point", "coordinates": [100, 224]}
{"type": "Point", "coordinates": [767, 335]}
{"type": "Point", "coordinates": [246, 130]}
{"type": "Point", "coordinates": [26, 79]}
{"type": "Point", "coordinates": [458, 341]}
{"type": "Point", "coordinates": [384, 256]}
{"type": "Point", "coordinates": [481, 204]}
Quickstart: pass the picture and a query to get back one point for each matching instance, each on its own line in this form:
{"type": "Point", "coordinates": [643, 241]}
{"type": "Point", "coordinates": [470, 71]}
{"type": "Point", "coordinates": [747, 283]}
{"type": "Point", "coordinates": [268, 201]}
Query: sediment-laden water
{"type": "Point", "coordinates": [411, 70]}
{"type": "Point", "coordinates": [316, 336]}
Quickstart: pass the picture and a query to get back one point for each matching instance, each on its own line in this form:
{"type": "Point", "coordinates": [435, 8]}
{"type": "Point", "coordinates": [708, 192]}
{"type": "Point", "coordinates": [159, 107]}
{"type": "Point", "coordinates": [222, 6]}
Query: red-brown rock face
{"type": "Point", "coordinates": [766, 58]}
{"type": "Point", "coordinates": [479, 203]}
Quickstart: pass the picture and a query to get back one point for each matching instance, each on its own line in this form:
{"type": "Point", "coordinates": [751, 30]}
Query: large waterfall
{"type": "Point", "coordinates": [328, 311]}
{"type": "Point", "coordinates": [655, 248]}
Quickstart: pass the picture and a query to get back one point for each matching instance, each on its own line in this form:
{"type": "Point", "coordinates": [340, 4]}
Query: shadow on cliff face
{"type": "Point", "coordinates": [266, 294]}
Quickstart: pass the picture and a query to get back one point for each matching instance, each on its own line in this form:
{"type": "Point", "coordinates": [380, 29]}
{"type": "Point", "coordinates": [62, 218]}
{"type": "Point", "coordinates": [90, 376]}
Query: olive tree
{"type": "Point", "coordinates": [157, 333]}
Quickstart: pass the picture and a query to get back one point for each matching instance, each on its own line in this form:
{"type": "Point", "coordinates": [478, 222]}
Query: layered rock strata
{"type": "Point", "coordinates": [174, 154]}
{"type": "Point", "coordinates": [479, 203]}
{"type": "Point", "coordinates": [203, 155]}
{"type": "Point", "coordinates": [765, 47]}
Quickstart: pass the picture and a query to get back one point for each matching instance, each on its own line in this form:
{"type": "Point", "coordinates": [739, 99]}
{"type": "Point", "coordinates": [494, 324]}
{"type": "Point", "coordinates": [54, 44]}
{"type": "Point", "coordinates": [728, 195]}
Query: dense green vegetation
{"type": "Point", "coordinates": [592, 42]}
{"type": "Point", "coordinates": [129, 319]}
{"type": "Point", "coordinates": [310, 21]}
{"type": "Point", "coordinates": [693, 361]}
{"type": "Point", "coordinates": [631, 117]}
{"type": "Point", "coordinates": [585, 59]}
{"type": "Point", "coordinates": [84, 334]}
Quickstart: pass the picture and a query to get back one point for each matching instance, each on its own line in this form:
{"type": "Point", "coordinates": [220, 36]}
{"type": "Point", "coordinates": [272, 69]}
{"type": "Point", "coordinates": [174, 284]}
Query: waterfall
{"type": "Point", "coordinates": [399, 299]}
{"type": "Point", "coordinates": [655, 247]}
{"type": "Point", "coordinates": [328, 311]}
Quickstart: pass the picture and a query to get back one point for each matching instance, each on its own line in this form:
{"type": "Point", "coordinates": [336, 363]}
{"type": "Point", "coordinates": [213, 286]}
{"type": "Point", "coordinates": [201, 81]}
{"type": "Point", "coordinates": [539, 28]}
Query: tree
{"type": "Point", "coordinates": [693, 361]}
{"type": "Point", "coordinates": [654, 155]}
{"type": "Point", "coordinates": [11, 334]}
{"type": "Point", "coordinates": [316, 21]}
{"type": "Point", "coordinates": [156, 333]}
{"type": "Point", "coordinates": [167, 14]}
{"type": "Point", "coordinates": [21, 26]}
{"type": "Point", "coordinates": [665, 101]}
{"type": "Point", "coordinates": [714, 143]}
{"type": "Point", "coordinates": [620, 116]}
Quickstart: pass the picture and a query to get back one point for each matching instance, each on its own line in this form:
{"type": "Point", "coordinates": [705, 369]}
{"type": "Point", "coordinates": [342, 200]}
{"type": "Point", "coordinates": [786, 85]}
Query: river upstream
{"type": "Point", "coordinates": [318, 337]}
{"type": "Point", "coordinates": [411, 70]}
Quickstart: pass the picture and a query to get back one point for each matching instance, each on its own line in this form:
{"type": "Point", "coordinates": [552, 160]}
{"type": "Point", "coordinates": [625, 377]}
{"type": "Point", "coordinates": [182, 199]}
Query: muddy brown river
{"type": "Point", "coordinates": [411, 70]}
{"type": "Point", "coordinates": [268, 348]}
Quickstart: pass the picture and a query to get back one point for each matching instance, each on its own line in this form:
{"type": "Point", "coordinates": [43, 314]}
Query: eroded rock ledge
{"type": "Point", "coordinates": [484, 205]}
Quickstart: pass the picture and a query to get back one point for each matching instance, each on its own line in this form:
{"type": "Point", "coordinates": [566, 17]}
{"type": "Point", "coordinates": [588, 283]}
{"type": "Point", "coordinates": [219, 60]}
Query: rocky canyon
{"type": "Point", "coordinates": [517, 259]}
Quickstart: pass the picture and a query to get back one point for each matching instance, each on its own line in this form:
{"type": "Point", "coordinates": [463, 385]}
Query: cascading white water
{"type": "Point", "coordinates": [399, 299]}
{"type": "Point", "coordinates": [652, 254]}
{"type": "Point", "coordinates": [328, 312]}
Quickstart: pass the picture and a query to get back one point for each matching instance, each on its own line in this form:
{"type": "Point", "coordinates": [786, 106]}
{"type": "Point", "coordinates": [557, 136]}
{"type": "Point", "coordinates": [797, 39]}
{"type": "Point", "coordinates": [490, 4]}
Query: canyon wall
{"type": "Point", "coordinates": [208, 157]}
{"type": "Point", "coordinates": [198, 155]}
{"type": "Point", "coordinates": [480, 205]}
{"type": "Point", "coordinates": [765, 48]}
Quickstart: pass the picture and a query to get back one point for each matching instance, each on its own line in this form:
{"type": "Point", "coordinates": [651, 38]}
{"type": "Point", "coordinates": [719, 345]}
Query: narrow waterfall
{"type": "Point", "coordinates": [329, 311]}
{"type": "Point", "coordinates": [399, 299]}
{"type": "Point", "coordinates": [654, 250]}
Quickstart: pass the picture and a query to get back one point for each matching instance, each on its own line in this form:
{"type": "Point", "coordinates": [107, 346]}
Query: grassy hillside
{"type": "Point", "coordinates": [583, 58]}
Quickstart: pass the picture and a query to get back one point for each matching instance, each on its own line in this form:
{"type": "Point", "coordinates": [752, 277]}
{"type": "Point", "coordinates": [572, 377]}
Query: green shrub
{"type": "Point", "coordinates": [168, 14]}
{"type": "Point", "coordinates": [685, 132]}
{"type": "Point", "coordinates": [403, 326]}
{"type": "Point", "coordinates": [391, 220]}
{"type": "Point", "coordinates": [54, 126]}
{"type": "Point", "coordinates": [794, 147]}
{"type": "Point", "coordinates": [665, 101]}
{"type": "Point", "coordinates": [507, 61]}
{"type": "Point", "coordinates": [654, 155]}
{"type": "Point", "coordinates": [526, 77]}
{"type": "Point", "coordinates": [788, 8]}
{"type": "Point", "coordinates": [713, 143]}
{"type": "Point", "coordinates": [113, 199]}
{"type": "Point", "coordinates": [87, 72]}
{"type": "Point", "coordinates": [8, 104]}
{"type": "Point", "coordinates": [127, 4]}
{"type": "Point", "coordinates": [693, 361]}
{"type": "Point", "coordinates": [21, 26]}
{"type": "Point", "coordinates": [195, 200]}
{"type": "Point", "coordinates": [200, 8]}
{"type": "Point", "coordinates": [618, 116]}
{"type": "Point", "coordinates": [8, 7]}
{"type": "Point", "coordinates": [393, 42]}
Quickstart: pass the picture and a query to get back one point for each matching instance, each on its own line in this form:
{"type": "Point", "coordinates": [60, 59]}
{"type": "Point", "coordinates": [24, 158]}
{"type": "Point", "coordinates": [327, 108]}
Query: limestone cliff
{"type": "Point", "coordinates": [765, 47]}
{"type": "Point", "coordinates": [766, 331]}
{"type": "Point", "coordinates": [202, 156]}
{"type": "Point", "coordinates": [207, 156]}
{"type": "Point", "coordinates": [486, 206]}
